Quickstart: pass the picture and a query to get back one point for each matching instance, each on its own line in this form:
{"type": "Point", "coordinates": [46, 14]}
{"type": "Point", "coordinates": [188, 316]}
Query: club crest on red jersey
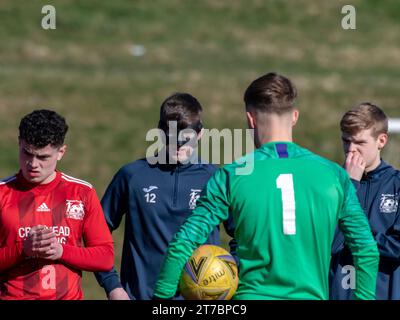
{"type": "Point", "coordinates": [75, 209]}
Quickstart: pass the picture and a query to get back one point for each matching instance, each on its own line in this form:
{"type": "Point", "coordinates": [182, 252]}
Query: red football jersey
{"type": "Point", "coordinates": [69, 207]}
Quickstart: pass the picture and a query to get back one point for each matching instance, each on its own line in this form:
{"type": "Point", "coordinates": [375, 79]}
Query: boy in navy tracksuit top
{"type": "Point", "coordinates": [364, 134]}
{"type": "Point", "coordinates": [156, 198]}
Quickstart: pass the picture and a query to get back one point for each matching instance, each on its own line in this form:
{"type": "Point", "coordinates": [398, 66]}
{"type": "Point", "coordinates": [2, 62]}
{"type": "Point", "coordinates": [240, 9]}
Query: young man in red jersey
{"type": "Point", "coordinates": [44, 217]}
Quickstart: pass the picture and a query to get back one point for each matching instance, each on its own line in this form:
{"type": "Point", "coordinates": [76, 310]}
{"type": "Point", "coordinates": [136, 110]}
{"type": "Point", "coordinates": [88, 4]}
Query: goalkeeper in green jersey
{"type": "Point", "coordinates": [285, 210]}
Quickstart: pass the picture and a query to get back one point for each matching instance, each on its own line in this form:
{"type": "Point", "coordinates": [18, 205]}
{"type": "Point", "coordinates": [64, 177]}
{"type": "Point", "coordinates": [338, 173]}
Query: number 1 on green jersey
{"type": "Point", "coordinates": [285, 183]}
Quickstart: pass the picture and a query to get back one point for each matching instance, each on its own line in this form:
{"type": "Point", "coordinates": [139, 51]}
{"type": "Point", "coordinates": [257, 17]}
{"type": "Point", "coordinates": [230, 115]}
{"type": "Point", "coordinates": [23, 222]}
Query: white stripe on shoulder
{"type": "Point", "coordinates": [72, 179]}
{"type": "Point", "coordinates": [7, 180]}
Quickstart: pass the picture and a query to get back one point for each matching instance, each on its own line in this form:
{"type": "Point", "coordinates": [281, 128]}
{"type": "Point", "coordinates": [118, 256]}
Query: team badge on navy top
{"type": "Point", "coordinates": [194, 195]}
{"type": "Point", "coordinates": [389, 203]}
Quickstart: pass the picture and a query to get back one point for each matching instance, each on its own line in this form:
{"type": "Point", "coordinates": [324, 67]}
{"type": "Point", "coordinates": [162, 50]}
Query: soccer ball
{"type": "Point", "coordinates": [210, 274]}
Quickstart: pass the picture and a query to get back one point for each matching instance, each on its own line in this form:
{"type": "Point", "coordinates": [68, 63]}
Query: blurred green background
{"type": "Point", "coordinates": [86, 70]}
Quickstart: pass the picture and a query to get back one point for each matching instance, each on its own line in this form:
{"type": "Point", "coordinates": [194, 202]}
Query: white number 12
{"type": "Point", "coordinates": [285, 183]}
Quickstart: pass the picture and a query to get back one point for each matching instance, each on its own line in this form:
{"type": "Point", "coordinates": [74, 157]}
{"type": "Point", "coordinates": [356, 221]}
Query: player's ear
{"type": "Point", "coordinates": [382, 140]}
{"type": "Point", "coordinates": [251, 120]}
{"type": "Point", "coordinates": [61, 152]}
{"type": "Point", "coordinates": [295, 117]}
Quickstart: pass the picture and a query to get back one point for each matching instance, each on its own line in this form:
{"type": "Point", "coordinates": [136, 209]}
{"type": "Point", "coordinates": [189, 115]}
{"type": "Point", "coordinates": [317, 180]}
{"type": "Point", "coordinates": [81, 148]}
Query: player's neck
{"type": "Point", "coordinates": [50, 178]}
{"type": "Point", "coordinates": [374, 165]}
{"type": "Point", "coordinates": [266, 136]}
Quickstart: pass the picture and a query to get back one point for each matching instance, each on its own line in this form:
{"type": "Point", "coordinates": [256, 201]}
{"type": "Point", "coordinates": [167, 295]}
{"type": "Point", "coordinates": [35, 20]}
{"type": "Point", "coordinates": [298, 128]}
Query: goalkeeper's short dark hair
{"type": "Point", "coordinates": [43, 127]}
{"type": "Point", "coordinates": [271, 93]}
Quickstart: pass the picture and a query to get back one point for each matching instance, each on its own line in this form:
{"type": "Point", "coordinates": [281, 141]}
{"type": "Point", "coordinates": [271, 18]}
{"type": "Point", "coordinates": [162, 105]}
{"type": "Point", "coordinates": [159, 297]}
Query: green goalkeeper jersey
{"type": "Point", "coordinates": [285, 213]}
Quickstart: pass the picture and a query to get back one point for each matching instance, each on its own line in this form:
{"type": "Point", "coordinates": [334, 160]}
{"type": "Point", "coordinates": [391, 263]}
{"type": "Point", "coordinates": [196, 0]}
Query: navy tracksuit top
{"type": "Point", "coordinates": [379, 194]}
{"type": "Point", "coordinates": [156, 200]}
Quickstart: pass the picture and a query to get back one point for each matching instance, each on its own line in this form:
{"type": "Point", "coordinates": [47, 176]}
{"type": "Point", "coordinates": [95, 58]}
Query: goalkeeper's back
{"type": "Point", "coordinates": [285, 214]}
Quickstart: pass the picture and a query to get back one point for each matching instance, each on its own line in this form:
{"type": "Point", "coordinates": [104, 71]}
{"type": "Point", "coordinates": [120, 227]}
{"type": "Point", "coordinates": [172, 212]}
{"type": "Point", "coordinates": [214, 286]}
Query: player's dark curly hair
{"type": "Point", "coordinates": [43, 127]}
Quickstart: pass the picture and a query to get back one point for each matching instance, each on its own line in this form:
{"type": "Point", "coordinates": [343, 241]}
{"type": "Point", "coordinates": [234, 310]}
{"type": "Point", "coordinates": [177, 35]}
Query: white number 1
{"type": "Point", "coordinates": [285, 183]}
